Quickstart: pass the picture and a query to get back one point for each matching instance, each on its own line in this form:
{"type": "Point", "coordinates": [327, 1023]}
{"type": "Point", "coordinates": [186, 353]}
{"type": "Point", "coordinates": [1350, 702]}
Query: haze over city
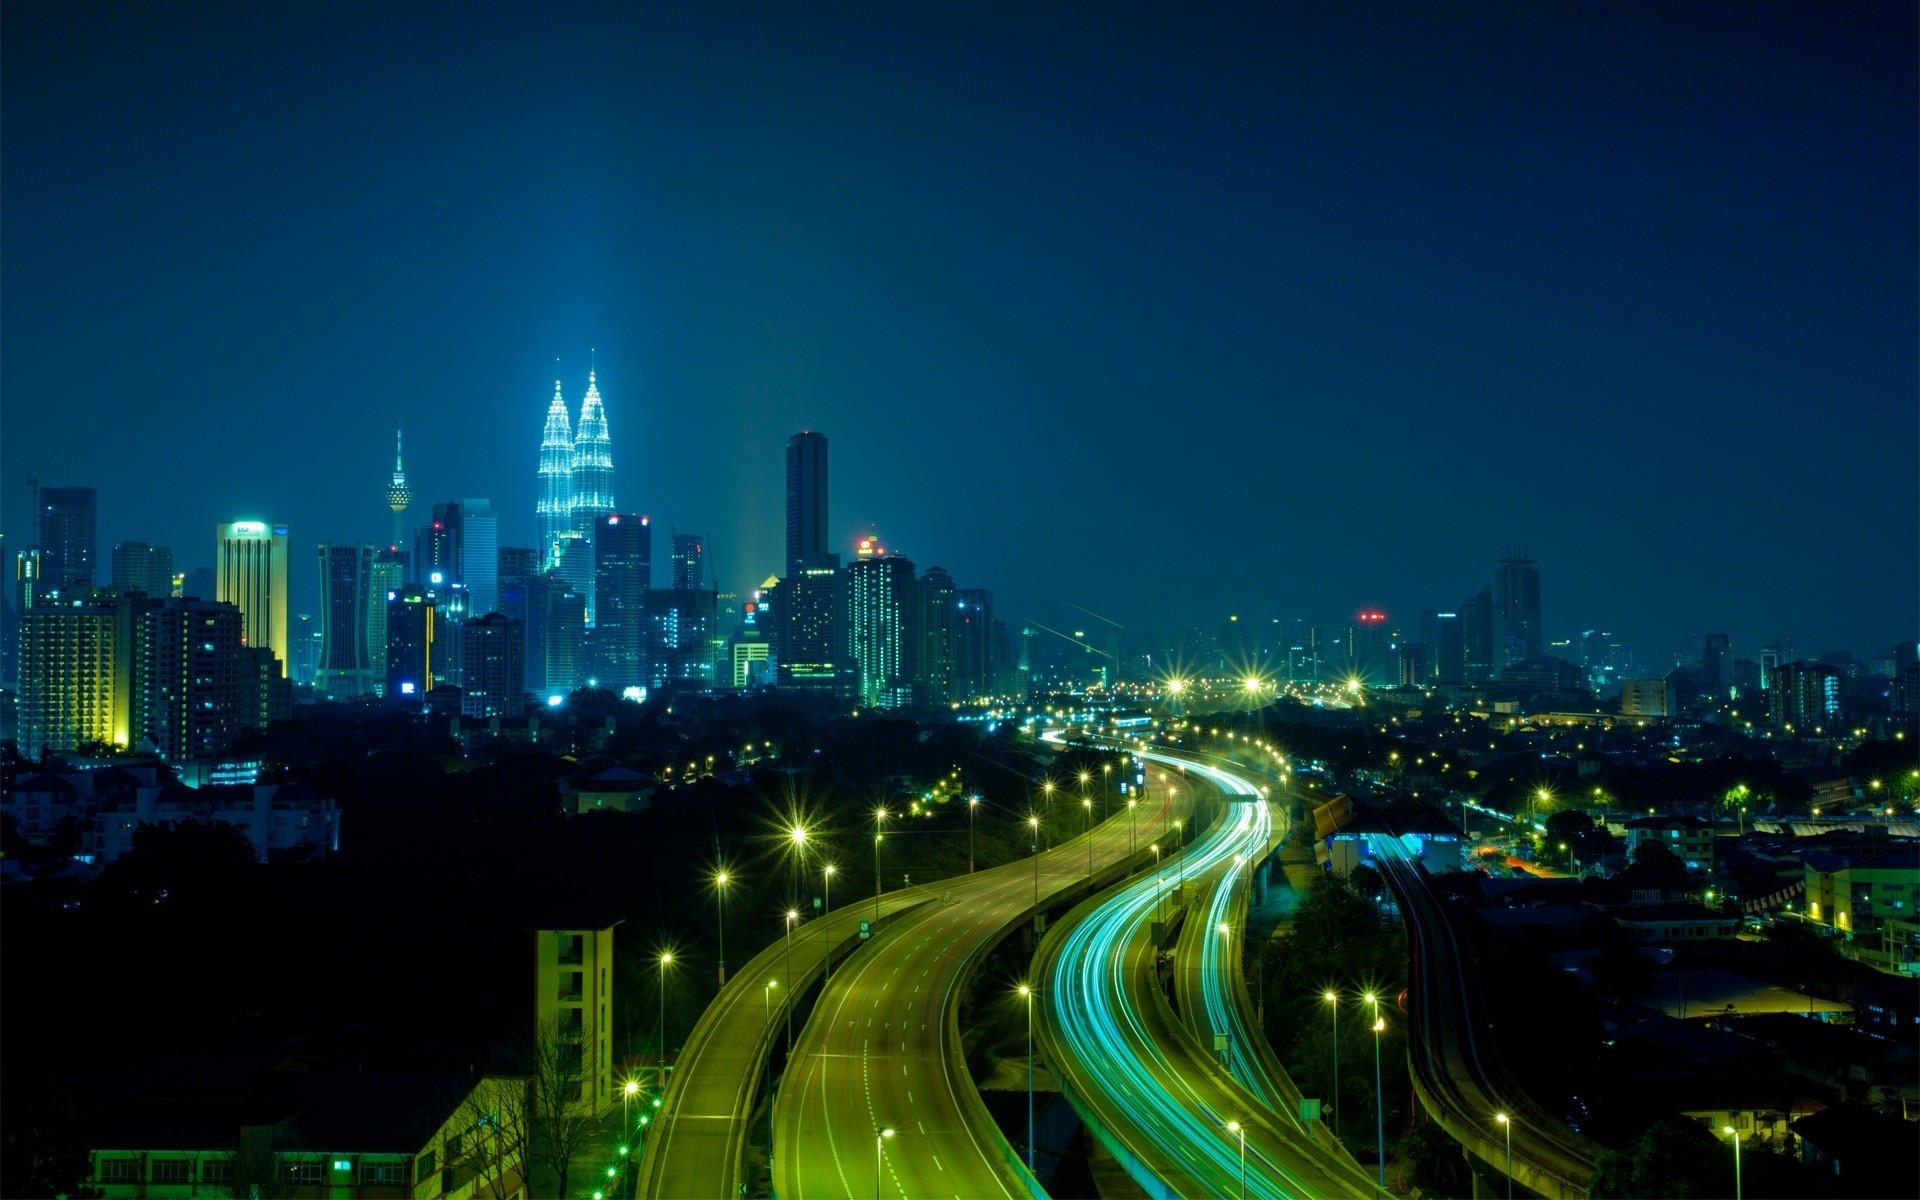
{"type": "Point", "coordinates": [1284, 313]}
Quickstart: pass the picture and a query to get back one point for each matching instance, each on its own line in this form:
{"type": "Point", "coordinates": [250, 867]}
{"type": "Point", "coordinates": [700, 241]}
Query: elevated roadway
{"type": "Point", "coordinates": [1154, 1096]}
{"type": "Point", "coordinates": [883, 1048]}
{"type": "Point", "coordinates": [1458, 1073]}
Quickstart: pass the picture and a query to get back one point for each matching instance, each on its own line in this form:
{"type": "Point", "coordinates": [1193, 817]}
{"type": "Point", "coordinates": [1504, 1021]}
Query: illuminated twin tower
{"type": "Point", "coordinates": [576, 472]}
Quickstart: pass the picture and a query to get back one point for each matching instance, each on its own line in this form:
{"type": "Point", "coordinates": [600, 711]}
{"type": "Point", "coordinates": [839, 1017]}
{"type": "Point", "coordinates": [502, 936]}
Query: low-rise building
{"type": "Point", "coordinates": [1667, 923]}
{"type": "Point", "coordinates": [1689, 838]}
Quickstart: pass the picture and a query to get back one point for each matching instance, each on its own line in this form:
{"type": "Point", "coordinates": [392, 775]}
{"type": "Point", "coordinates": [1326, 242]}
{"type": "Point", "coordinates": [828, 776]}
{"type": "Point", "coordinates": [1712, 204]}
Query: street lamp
{"type": "Point", "coordinates": [973, 803]}
{"type": "Point", "coordinates": [1089, 807]}
{"type": "Point", "coordinates": [879, 1148]}
{"type": "Point", "coordinates": [666, 960]}
{"type": "Point", "coordinates": [797, 836]}
{"type": "Point", "coordinates": [879, 819]}
{"type": "Point", "coordinates": [720, 881]}
{"type": "Point", "coordinates": [1379, 1093]}
{"type": "Point", "coordinates": [793, 915]}
{"type": "Point", "coordinates": [1236, 1127]}
{"type": "Point", "coordinates": [1733, 1135]}
{"type": "Point", "coordinates": [1033, 823]}
{"type": "Point", "coordinates": [1333, 999]}
{"type": "Point", "coordinates": [826, 943]}
{"type": "Point", "coordinates": [766, 1019]}
{"type": "Point", "coordinates": [1508, 1126]}
{"type": "Point", "coordinates": [1026, 993]}
{"type": "Point", "coordinates": [628, 1091]}
{"type": "Point", "coordinates": [1131, 805]}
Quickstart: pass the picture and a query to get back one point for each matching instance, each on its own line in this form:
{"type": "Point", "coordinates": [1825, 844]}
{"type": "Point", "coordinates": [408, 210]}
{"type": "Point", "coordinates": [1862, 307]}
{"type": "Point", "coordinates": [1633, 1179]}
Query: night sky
{"type": "Point", "coordinates": [1170, 315]}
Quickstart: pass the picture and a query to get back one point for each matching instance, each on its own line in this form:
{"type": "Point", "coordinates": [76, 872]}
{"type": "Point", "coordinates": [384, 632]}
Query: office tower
{"type": "Point", "coordinates": [67, 666]}
{"type": "Point", "coordinates": [346, 589]}
{"type": "Point", "coordinates": [436, 547]}
{"type": "Point", "coordinates": [565, 636]}
{"type": "Point", "coordinates": [1770, 659]}
{"type": "Point", "coordinates": [68, 519]}
{"type": "Point", "coordinates": [1446, 647]}
{"type": "Point", "coordinates": [410, 630]}
{"type": "Point", "coordinates": [592, 478]}
{"type": "Point", "coordinates": [574, 563]}
{"type": "Point", "coordinates": [679, 649]}
{"type": "Point", "coordinates": [199, 584]}
{"type": "Point", "coordinates": [1516, 607]}
{"type": "Point", "coordinates": [202, 690]}
{"type": "Point", "coordinates": [138, 567]}
{"type": "Point", "coordinates": [1716, 664]}
{"type": "Point", "coordinates": [622, 571]}
{"type": "Point", "coordinates": [399, 495]}
{"type": "Point", "coordinates": [494, 671]}
{"type": "Point", "coordinates": [750, 653]}
{"type": "Point", "coordinates": [1805, 696]}
{"type": "Point", "coordinates": [1646, 698]}
{"type": "Point", "coordinates": [973, 643]}
{"type": "Point", "coordinates": [806, 500]}
{"type": "Point", "coordinates": [480, 555]}
{"type": "Point", "coordinates": [1477, 637]}
{"type": "Point", "coordinates": [307, 641]}
{"type": "Point", "coordinates": [809, 622]}
{"type": "Point", "coordinates": [553, 512]}
{"type": "Point", "coordinates": [1368, 639]}
{"type": "Point", "coordinates": [388, 575]}
{"type": "Point", "coordinates": [515, 566]}
{"type": "Point", "coordinates": [937, 626]}
{"type": "Point", "coordinates": [689, 562]}
{"type": "Point", "coordinates": [880, 616]}
{"type": "Point", "coordinates": [250, 573]}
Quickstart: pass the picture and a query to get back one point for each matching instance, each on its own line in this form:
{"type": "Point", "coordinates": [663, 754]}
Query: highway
{"type": "Point", "coordinates": [883, 1049]}
{"type": "Point", "coordinates": [699, 1133]}
{"type": "Point", "coordinates": [1146, 1087]}
{"type": "Point", "coordinates": [1458, 1073]}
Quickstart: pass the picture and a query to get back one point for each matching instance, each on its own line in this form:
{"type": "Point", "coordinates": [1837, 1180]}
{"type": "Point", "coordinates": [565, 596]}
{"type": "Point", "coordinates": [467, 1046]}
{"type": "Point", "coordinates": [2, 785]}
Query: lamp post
{"type": "Point", "coordinates": [879, 1162]}
{"type": "Point", "coordinates": [1733, 1135]}
{"type": "Point", "coordinates": [1507, 1125]}
{"type": "Point", "coordinates": [1026, 993]}
{"type": "Point", "coordinates": [1047, 788]}
{"type": "Point", "coordinates": [628, 1091]}
{"type": "Point", "coordinates": [666, 960]}
{"type": "Point", "coordinates": [1236, 1127]}
{"type": "Point", "coordinates": [1333, 999]}
{"type": "Point", "coordinates": [766, 1018]}
{"type": "Point", "coordinates": [1089, 807]}
{"type": "Point", "coordinates": [973, 803]}
{"type": "Point", "coordinates": [720, 881]}
{"type": "Point", "coordinates": [1132, 804]}
{"type": "Point", "coordinates": [879, 818]}
{"type": "Point", "coordinates": [1033, 823]}
{"type": "Point", "coordinates": [793, 915]}
{"type": "Point", "coordinates": [1180, 835]}
{"type": "Point", "coordinates": [798, 837]}
{"type": "Point", "coordinates": [826, 943]}
{"type": "Point", "coordinates": [1379, 1094]}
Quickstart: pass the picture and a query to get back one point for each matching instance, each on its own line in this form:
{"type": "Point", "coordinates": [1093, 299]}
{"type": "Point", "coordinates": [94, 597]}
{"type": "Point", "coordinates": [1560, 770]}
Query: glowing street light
{"type": "Point", "coordinates": [666, 960]}
{"type": "Point", "coordinates": [879, 1148]}
{"type": "Point", "coordinates": [1733, 1135]}
{"type": "Point", "coordinates": [973, 803]}
{"type": "Point", "coordinates": [1507, 1125]}
{"type": "Point", "coordinates": [879, 819]}
{"type": "Point", "coordinates": [720, 880]}
{"type": "Point", "coordinates": [1333, 999]}
{"type": "Point", "coordinates": [1235, 1127]}
{"type": "Point", "coordinates": [826, 943]}
{"type": "Point", "coordinates": [793, 916]}
{"type": "Point", "coordinates": [1033, 824]}
{"type": "Point", "coordinates": [1379, 1092]}
{"type": "Point", "coordinates": [1026, 994]}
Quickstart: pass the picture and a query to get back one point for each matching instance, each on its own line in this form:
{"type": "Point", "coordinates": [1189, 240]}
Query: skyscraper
{"type": "Point", "coordinates": [68, 519]}
{"type": "Point", "coordinates": [389, 573]}
{"type": "Point", "coordinates": [410, 630]}
{"type": "Point", "coordinates": [1805, 696]}
{"type": "Point", "coordinates": [592, 477]}
{"type": "Point", "coordinates": [554, 510]}
{"type": "Point", "coordinates": [138, 567]}
{"type": "Point", "coordinates": [398, 494]}
{"type": "Point", "coordinates": [1516, 609]}
{"type": "Point", "coordinates": [67, 672]}
{"type": "Point", "coordinates": [880, 611]}
{"type": "Point", "coordinates": [346, 587]}
{"type": "Point", "coordinates": [250, 573]}
{"type": "Point", "coordinates": [494, 667]}
{"type": "Point", "coordinates": [806, 499]}
{"type": "Point", "coordinates": [973, 643]}
{"type": "Point", "coordinates": [480, 555]}
{"type": "Point", "coordinates": [622, 571]}
{"type": "Point", "coordinates": [936, 624]}
{"type": "Point", "coordinates": [689, 562]}
{"type": "Point", "coordinates": [198, 699]}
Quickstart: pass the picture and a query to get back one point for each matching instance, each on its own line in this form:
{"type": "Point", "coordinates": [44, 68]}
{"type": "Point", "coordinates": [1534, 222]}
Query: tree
{"type": "Point", "coordinates": [490, 1136]}
{"type": "Point", "coordinates": [46, 1151]}
{"type": "Point", "coordinates": [1675, 1158]}
{"type": "Point", "coordinates": [560, 1120]}
{"type": "Point", "coordinates": [1434, 1163]}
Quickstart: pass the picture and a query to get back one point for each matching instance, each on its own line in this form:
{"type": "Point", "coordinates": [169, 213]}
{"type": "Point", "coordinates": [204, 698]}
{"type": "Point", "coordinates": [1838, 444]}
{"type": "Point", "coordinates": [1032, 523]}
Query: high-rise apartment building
{"type": "Point", "coordinates": [493, 676]}
{"type": "Point", "coordinates": [480, 555]}
{"type": "Point", "coordinates": [1805, 696]}
{"type": "Point", "coordinates": [346, 594]}
{"type": "Point", "coordinates": [250, 573]}
{"type": "Point", "coordinates": [809, 618]}
{"type": "Point", "coordinates": [679, 651]}
{"type": "Point", "coordinates": [937, 628]}
{"type": "Point", "coordinates": [592, 466]}
{"type": "Point", "coordinates": [67, 678]}
{"type": "Point", "coordinates": [138, 567]}
{"type": "Point", "coordinates": [69, 518]}
{"type": "Point", "coordinates": [806, 500]}
{"type": "Point", "coordinates": [203, 689]}
{"type": "Point", "coordinates": [973, 643]}
{"type": "Point", "coordinates": [881, 640]}
{"type": "Point", "coordinates": [622, 572]}
{"type": "Point", "coordinates": [553, 512]}
{"type": "Point", "coordinates": [564, 634]}
{"type": "Point", "coordinates": [1516, 607]}
{"type": "Point", "coordinates": [689, 562]}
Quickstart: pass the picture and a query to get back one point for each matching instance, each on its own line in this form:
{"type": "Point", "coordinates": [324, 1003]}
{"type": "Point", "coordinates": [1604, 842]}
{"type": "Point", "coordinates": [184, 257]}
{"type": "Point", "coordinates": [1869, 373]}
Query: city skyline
{"type": "Point", "coordinates": [1331, 402]}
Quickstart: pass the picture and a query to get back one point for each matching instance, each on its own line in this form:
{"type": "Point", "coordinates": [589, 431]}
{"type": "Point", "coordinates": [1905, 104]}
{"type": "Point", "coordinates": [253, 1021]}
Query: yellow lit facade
{"type": "Point", "coordinates": [573, 995]}
{"type": "Point", "coordinates": [67, 679]}
{"type": "Point", "coordinates": [250, 572]}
